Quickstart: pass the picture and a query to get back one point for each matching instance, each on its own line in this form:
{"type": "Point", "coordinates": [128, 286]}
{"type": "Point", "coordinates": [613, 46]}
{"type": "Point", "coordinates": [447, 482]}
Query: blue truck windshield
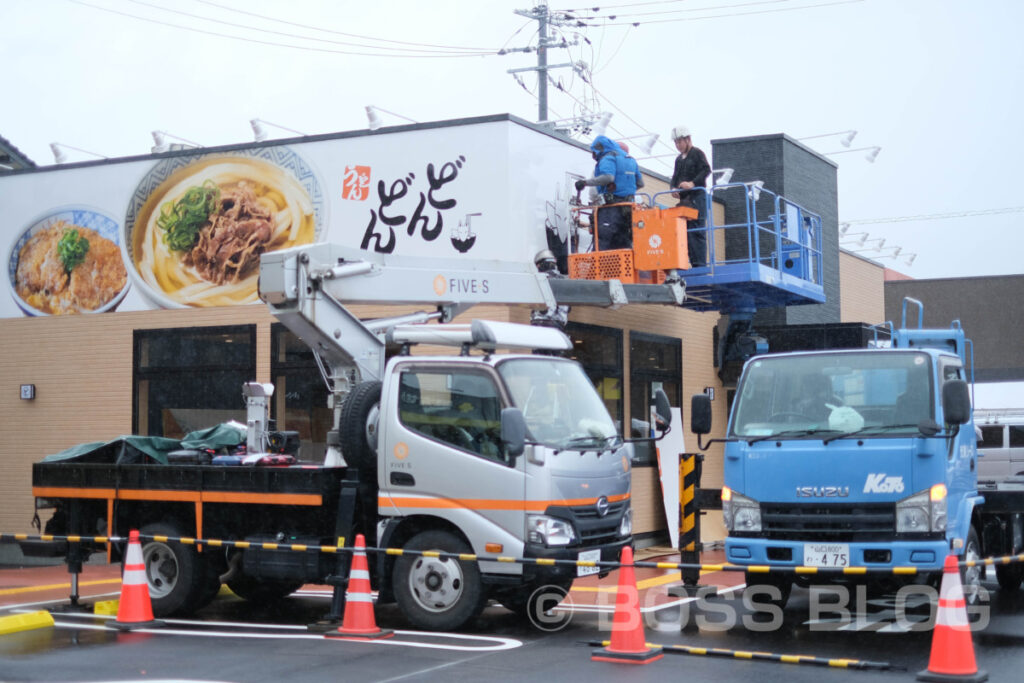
{"type": "Point", "coordinates": [830, 394]}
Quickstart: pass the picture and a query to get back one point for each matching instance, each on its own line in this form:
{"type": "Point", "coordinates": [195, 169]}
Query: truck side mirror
{"type": "Point", "coordinates": [700, 414]}
{"type": "Point", "coordinates": [956, 402]}
{"type": "Point", "coordinates": [663, 409]}
{"type": "Point", "coordinates": [513, 432]}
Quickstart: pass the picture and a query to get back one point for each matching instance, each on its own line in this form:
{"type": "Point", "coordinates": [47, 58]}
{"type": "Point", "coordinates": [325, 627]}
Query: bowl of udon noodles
{"type": "Point", "coordinates": [197, 225]}
{"type": "Point", "coordinates": [68, 261]}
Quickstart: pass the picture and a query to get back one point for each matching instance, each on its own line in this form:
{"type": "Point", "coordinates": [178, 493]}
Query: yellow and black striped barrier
{"type": "Point", "coordinates": [840, 663]}
{"type": "Point", "coordinates": [540, 561]}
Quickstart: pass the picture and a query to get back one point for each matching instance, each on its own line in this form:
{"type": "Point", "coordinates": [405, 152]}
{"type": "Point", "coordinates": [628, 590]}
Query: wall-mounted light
{"type": "Point", "coordinates": [601, 127]}
{"type": "Point", "coordinates": [724, 178]}
{"type": "Point", "coordinates": [60, 157]}
{"type": "Point", "coordinates": [754, 189]}
{"type": "Point", "coordinates": [373, 120]}
{"type": "Point", "coordinates": [848, 136]}
{"type": "Point", "coordinates": [872, 152]}
{"type": "Point", "coordinates": [160, 138]}
{"type": "Point", "coordinates": [261, 134]}
{"type": "Point", "coordinates": [860, 242]}
{"type": "Point", "coordinates": [648, 142]}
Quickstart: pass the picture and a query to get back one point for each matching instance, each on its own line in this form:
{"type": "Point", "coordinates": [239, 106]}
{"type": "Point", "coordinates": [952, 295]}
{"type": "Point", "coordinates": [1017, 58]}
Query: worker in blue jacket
{"type": "Point", "coordinates": [615, 180]}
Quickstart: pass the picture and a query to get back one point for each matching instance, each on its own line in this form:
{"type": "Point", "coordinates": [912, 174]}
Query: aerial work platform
{"type": "Point", "coordinates": [771, 257]}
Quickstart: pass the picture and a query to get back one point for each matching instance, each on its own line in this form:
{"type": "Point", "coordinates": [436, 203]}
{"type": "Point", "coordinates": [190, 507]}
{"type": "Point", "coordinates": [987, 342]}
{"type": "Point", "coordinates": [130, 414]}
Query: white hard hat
{"type": "Point", "coordinates": [680, 132]}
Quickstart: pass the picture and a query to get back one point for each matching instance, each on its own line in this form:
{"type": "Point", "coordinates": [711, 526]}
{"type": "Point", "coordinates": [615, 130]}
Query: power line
{"type": "Point", "coordinates": [937, 216]}
{"type": "Point", "coordinates": [684, 11]}
{"type": "Point", "coordinates": [271, 43]}
{"type": "Point", "coordinates": [340, 33]}
{"type": "Point", "coordinates": [287, 35]}
{"type": "Point", "coordinates": [731, 14]}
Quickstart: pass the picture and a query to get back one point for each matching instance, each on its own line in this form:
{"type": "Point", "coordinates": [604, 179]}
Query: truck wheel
{"type": "Point", "coordinates": [176, 575]}
{"type": "Point", "coordinates": [1009, 576]}
{"type": "Point", "coordinates": [782, 583]}
{"type": "Point", "coordinates": [357, 431]}
{"type": "Point", "coordinates": [530, 602]}
{"type": "Point", "coordinates": [438, 594]}
{"type": "Point", "coordinates": [262, 590]}
{"type": "Point", "coordinates": [970, 577]}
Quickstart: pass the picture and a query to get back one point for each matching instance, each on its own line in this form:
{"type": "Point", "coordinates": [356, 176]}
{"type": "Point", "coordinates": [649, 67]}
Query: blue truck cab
{"type": "Point", "coordinates": [841, 459]}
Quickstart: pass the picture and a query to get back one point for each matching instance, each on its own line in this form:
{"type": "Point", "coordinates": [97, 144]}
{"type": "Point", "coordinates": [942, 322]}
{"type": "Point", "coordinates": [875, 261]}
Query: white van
{"type": "Point", "coordinates": [1001, 445]}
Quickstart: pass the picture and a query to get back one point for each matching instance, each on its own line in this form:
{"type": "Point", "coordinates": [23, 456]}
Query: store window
{"type": "Point", "coordinates": [191, 378]}
{"type": "Point", "coordinates": [655, 362]}
{"type": "Point", "coordinates": [599, 351]}
{"type": "Point", "coordinates": [300, 393]}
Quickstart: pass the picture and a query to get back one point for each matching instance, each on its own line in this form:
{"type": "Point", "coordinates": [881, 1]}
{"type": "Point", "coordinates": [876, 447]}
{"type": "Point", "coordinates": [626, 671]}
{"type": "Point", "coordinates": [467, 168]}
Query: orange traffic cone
{"type": "Point", "coordinates": [627, 644]}
{"type": "Point", "coordinates": [359, 622]}
{"type": "Point", "coordinates": [952, 656]}
{"type": "Point", "coordinates": [134, 610]}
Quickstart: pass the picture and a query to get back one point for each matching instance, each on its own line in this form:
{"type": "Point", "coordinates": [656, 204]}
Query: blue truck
{"type": "Point", "coordinates": [862, 458]}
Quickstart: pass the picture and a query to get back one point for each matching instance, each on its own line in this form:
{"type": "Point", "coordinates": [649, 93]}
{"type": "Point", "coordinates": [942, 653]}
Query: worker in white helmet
{"type": "Point", "coordinates": [691, 171]}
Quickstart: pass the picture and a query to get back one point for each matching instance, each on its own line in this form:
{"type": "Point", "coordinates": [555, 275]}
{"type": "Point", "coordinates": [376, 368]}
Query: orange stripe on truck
{"type": "Point", "coordinates": [486, 503]}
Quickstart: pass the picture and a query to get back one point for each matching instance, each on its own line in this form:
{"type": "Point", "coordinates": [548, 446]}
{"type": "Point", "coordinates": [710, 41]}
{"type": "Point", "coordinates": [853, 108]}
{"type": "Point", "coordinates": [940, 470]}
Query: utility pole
{"type": "Point", "coordinates": [542, 15]}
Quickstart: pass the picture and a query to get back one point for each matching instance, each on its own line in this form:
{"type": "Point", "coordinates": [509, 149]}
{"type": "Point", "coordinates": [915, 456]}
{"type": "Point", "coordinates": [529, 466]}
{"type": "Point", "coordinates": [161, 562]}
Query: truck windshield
{"type": "Point", "coordinates": [871, 393]}
{"type": "Point", "coordinates": [561, 407]}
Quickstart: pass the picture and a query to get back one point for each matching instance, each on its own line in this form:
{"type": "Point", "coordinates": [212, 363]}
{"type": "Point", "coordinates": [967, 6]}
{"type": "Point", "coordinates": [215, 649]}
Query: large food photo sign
{"type": "Point", "coordinates": [187, 230]}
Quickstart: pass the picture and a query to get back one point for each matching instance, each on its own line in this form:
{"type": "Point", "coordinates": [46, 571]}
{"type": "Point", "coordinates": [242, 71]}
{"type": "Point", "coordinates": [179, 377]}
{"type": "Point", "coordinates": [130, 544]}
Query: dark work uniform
{"type": "Point", "coordinates": [694, 168]}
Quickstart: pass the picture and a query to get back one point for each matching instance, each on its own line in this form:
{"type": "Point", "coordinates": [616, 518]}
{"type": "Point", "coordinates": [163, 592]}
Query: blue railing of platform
{"type": "Point", "coordinates": [772, 257]}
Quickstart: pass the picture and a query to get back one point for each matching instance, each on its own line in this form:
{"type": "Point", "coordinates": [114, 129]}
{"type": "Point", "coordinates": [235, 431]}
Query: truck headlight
{"type": "Point", "coordinates": [626, 525]}
{"type": "Point", "coordinates": [739, 512]}
{"type": "Point", "coordinates": [549, 531]}
{"type": "Point", "coordinates": [937, 498]}
{"type": "Point", "coordinates": [922, 512]}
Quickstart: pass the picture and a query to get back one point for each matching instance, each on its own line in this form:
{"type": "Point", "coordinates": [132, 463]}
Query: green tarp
{"type": "Point", "coordinates": [132, 449]}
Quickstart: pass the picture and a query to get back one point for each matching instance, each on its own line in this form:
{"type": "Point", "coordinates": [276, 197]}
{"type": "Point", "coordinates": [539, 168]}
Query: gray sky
{"type": "Point", "coordinates": [936, 84]}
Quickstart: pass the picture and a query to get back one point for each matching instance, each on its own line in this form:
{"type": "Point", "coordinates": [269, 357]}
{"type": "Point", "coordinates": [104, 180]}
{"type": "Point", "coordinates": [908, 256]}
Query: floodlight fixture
{"type": "Point", "coordinates": [648, 143]}
{"type": "Point", "coordinates": [60, 157]}
{"type": "Point", "coordinates": [601, 127]}
{"type": "Point", "coordinates": [860, 242]}
{"type": "Point", "coordinates": [872, 152]}
{"type": "Point", "coordinates": [843, 227]}
{"type": "Point", "coordinates": [260, 133]}
{"type": "Point", "coordinates": [724, 178]}
{"type": "Point", "coordinates": [373, 118]}
{"type": "Point", "coordinates": [160, 138]}
{"type": "Point", "coordinates": [848, 136]}
{"type": "Point", "coordinates": [754, 189]}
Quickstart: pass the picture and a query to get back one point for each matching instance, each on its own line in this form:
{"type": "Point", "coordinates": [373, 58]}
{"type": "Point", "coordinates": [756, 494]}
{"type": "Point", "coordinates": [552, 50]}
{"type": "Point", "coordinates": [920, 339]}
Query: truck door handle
{"type": "Point", "coordinates": [402, 479]}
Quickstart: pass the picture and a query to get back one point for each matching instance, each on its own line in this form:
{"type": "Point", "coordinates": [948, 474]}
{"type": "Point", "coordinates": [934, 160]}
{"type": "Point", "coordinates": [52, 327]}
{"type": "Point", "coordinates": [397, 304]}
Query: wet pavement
{"type": "Point", "coordinates": [234, 640]}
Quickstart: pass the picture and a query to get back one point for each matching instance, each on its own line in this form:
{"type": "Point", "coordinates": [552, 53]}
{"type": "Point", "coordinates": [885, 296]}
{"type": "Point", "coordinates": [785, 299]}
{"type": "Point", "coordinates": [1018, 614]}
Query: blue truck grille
{"type": "Point", "coordinates": [832, 522]}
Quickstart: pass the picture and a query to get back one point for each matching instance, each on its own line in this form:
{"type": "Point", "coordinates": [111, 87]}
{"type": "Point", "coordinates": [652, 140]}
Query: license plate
{"type": "Point", "coordinates": [588, 556]}
{"type": "Point", "coordinates": [826, 555]}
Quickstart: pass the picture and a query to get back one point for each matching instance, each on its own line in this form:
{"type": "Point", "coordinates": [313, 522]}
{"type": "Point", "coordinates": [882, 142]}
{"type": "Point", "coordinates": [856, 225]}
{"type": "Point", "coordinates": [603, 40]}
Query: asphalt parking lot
{"type": "Point", "coordinates": [234, 640]}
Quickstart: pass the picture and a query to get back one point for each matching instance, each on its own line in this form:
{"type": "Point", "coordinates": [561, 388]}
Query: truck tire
{"type": "Point", "coordinates": [262, 590]}
{"type": "Point", "coordinates": [970, 577]}
{"type": "Point", "coordinates": [178, 578]}
{"type": "Point", "coordinates": [782, 582]}
{"type": "Point", "coordinates": [357, 431]}
{"type": "Point", "coordinates": [1009, 576]}
{"type": "Point", "coordinates": [528, 602]}
{"type": "Point", "coordinates": [438, 594]}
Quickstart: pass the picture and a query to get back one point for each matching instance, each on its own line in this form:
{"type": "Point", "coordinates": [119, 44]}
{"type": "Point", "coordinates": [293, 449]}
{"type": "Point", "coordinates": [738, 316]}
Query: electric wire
{"type": "Point", "coordinates": [289, 35]}
{"type": "Point", "coordinates": [340, 33]}
{"type": "Point", "coordinates": [271, 43]}
{"type": "Point", "coordinates": [727, 15]}
{"type": "Point", "coordinates": [937, 216]}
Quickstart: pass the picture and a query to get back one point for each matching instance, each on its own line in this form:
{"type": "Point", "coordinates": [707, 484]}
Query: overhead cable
{"type": "Point", "coordinates": [340, 33]}
{"type": "Point", "coordinates": [274, 44]}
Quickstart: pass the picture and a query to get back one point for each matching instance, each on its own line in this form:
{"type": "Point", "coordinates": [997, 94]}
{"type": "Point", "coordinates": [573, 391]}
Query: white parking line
{"type": "Point", "coordinates": [492, 643]}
